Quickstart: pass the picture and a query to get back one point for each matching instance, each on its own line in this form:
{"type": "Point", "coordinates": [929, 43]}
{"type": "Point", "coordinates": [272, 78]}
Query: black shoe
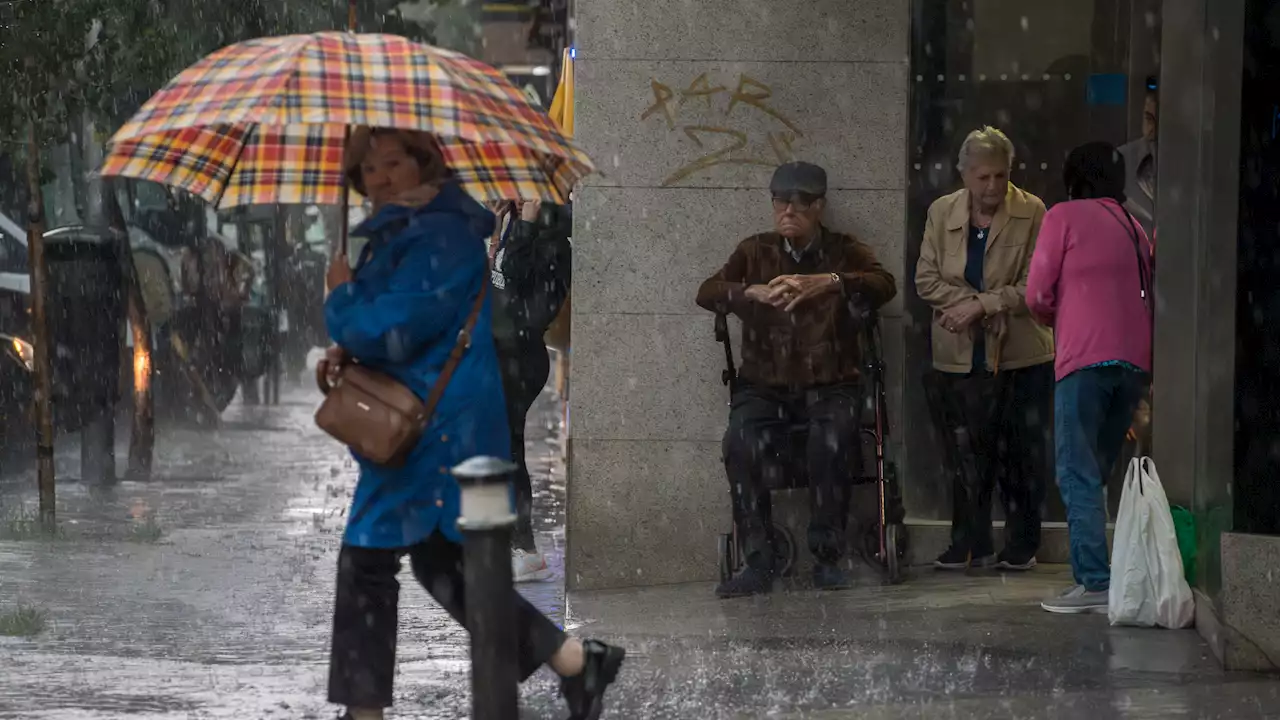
{"type": "Point", "coordinates": [830, 577]}
{"type": "Point", "coordinates": [1015, 561]}
{"type": "Point", "coordinates": [585, 692]}
{"type": "Point", "coordinates": [750, 581]}
{"type": "Point", "coordinates": [954, 559]}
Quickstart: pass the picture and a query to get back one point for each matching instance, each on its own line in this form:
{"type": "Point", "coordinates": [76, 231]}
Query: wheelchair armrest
{"type": "Point", "coordinates": [864, 315]}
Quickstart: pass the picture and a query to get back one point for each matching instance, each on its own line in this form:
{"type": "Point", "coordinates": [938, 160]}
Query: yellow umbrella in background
{"type": "Point", "coordinates": [557, 336]}
{"type": "Point", "coordinates": [562, 104]}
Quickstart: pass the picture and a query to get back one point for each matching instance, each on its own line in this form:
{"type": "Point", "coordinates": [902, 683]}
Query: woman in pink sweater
{"type": "Point", "coordinates": [1090, 280]}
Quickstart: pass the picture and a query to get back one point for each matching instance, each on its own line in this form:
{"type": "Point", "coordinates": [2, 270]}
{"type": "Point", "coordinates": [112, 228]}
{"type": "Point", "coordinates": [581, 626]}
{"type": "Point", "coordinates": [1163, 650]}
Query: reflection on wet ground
{"type": "Point", "coordinates": [939, 646]}
{"type": "Point", "coordinates": [206, 593]}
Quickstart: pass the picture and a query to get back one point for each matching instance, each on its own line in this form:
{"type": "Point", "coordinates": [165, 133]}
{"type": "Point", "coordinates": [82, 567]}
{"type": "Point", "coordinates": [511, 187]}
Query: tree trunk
{"type": "Point", "coordinates": [40, 334]}
{"type": "Point", "coordinates": [142, 437]}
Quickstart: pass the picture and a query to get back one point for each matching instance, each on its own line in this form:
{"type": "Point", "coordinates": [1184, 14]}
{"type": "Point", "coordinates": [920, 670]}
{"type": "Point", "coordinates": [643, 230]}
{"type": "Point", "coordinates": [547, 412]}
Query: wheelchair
{"type": "Point", "coordinates": [883, 545]}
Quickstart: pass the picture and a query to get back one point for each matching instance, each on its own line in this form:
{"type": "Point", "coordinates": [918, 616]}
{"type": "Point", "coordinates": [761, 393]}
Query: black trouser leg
{"type": "Point", "coordinates": [834, 451]}
{"type": "Point", "coordinates": [362, 661]}
{"type": "Point", "coordinates": [757, 428]}
{"type": "Point", "coordinates": [1026, 411]}
{"type": "Point", "coordinates": [363, 656]}
{"type": "Point", "coordinates": [524, 374]}
{"type": "Point", "coordinates": [969, 409]}
{"type": "Point", "coordinates": [438, 566]}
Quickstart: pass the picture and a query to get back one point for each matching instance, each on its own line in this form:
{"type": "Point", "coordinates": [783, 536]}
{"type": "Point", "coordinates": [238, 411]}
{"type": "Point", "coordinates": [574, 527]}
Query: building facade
{"type": "Point", "coordinates": [686, 105]}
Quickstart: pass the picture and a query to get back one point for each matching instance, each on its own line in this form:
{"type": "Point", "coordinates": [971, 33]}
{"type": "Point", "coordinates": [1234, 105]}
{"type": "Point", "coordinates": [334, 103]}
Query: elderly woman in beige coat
{"type": "Point", "coordinates": [991, 392]}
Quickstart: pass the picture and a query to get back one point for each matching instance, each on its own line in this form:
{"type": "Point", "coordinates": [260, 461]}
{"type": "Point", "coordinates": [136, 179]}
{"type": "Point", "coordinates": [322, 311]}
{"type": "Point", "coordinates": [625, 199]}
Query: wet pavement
{"type": "Point", "coordinates": [206, 593]}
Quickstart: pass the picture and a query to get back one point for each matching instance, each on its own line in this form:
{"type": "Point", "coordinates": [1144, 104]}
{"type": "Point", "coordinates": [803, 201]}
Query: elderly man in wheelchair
{"type": "Point", "coordinates": [796, 291]}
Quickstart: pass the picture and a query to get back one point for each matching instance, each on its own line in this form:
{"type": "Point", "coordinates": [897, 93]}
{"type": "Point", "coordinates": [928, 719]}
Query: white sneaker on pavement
{"type": "Point", "coordinates": [529, 566]}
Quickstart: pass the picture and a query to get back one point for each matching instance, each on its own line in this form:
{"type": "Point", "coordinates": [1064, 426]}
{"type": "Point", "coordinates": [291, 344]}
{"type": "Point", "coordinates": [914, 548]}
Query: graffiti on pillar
{"type": "Point", "coordinates": [723, 140]}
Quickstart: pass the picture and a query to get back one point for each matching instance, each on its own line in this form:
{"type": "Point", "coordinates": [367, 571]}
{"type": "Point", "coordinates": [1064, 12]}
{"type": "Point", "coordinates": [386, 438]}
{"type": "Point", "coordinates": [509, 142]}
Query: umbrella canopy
{"type": "Point", "coordinates": [265, 121]}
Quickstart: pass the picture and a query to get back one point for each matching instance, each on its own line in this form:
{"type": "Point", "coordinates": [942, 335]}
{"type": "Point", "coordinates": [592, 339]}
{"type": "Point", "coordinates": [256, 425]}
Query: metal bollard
{"type": "Point", "coordinates": [486, 522]}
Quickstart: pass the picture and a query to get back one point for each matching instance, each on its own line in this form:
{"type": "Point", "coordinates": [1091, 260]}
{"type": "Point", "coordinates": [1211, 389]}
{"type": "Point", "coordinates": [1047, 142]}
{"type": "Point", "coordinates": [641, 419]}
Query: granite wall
{"type": "Point", "coordinates": [1242, 625]}
{"type": "Point", "coordinates": [686, 106]}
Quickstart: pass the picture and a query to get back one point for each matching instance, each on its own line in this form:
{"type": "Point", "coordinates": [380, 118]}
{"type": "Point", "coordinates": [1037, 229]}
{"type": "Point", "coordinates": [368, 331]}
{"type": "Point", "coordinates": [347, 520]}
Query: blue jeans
{"type": "Point", "coordinates": [1093, 409]}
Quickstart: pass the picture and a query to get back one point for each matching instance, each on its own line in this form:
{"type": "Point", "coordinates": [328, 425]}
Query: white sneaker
{"type": "Point", "coordinates": [529, 566]}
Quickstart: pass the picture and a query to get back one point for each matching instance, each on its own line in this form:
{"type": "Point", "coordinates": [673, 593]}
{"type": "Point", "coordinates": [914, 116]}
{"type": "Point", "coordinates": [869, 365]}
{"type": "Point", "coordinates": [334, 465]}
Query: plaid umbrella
{"type": "Point", "coordinates": [264, 122]}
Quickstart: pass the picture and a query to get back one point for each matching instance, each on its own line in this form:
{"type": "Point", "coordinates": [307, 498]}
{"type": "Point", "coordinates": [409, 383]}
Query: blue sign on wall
{"type": "Point", "coordinates": [1108, 89]}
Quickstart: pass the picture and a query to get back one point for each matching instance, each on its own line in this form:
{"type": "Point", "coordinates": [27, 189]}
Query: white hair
{"type": "Point", "coordinates": [987, 142]}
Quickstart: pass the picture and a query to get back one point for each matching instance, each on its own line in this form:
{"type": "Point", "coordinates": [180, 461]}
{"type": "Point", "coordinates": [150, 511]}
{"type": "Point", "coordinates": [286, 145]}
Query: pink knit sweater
{"type": "Point", "coordinates": [1084, 283]}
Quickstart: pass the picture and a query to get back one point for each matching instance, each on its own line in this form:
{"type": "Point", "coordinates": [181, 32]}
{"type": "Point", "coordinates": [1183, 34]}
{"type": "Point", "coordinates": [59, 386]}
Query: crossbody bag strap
{"type": "Point", "coordinates": [1130, 228]}
{"type": "Point", "coordinates": [459, 349]}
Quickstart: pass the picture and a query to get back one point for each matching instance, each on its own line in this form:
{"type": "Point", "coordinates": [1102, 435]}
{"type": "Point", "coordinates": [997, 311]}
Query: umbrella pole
{"type": "Point", "coordinates": [345, 208]}
{"type": "Point", "coordinates": [346, 138]}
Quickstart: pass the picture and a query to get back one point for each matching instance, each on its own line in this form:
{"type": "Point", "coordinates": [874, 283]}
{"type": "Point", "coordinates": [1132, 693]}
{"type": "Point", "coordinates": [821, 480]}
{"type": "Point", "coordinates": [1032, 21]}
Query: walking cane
{"type": "Point", "coordinates": [1002, 331]}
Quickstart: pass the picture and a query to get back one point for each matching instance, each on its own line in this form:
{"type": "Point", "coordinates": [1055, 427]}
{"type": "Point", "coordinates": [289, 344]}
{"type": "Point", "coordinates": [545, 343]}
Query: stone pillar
{"type": "Point", "coordinates": [1193, 407]}
{"type": "Point", "coordinates": [686, 106]}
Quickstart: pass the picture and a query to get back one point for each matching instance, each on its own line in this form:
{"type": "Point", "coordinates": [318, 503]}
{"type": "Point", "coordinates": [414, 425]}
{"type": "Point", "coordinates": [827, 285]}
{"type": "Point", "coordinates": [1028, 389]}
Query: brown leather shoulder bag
{"type": "Point", "coordinates": [377, 416]}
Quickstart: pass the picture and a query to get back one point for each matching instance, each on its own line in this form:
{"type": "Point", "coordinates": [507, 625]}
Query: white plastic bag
{"type": "Point", "coordinates": [1148, 586]}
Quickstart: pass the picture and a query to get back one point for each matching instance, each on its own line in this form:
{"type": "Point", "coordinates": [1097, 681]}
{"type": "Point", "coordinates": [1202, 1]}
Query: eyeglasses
{"type": "Point", "coordinates": [799, 201]}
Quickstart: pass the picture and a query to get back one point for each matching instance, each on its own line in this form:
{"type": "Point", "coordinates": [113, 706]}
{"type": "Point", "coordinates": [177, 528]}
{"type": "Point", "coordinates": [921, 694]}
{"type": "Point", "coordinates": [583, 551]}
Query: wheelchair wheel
{"type": "Point", "coordinates": [724, 548]}
{"type": "Point", "coordinates": [784, 550]}
{"type": "Point", "coordinates": [894, 550]}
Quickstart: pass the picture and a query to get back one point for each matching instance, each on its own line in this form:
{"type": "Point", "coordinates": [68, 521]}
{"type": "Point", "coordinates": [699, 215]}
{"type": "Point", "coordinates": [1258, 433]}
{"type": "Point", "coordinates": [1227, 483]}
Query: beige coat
{"type": "Point", "coordinates": [940, 281]}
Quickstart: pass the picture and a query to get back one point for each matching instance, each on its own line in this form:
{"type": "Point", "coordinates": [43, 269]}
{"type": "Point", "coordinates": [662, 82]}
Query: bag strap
{"type": "Point", "coordinates": [455, 356]}
{"type": "Point", "coordinates": [1130, 228]}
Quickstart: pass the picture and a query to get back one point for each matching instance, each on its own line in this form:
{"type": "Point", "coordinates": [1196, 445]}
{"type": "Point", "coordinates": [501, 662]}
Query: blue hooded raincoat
{"type": "Point", "coordinates": [414, 287]}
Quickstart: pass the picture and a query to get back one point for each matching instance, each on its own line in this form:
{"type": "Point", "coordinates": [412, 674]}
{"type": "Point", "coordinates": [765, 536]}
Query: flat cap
{"type": "Point", "coordinates": [799, 177]}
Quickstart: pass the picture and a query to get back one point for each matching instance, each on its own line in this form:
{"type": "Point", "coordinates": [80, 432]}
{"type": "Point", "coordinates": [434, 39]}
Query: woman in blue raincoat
{"type": "Point", "coordinates": [400, 313]}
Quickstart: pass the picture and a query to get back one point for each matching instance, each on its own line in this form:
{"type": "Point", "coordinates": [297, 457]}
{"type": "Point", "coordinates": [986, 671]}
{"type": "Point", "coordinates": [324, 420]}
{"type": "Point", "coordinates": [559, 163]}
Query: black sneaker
{"type": "Point", "coordinates": [1015, 561]}
{"type": "Point", "coordinates": [830, 577]}
{"type": "Point", "coordinates": [954, 559]}
{"type": "Point", "coordinates": [750, 581]}
{"type": "Point", "coordinates": [585, 692]}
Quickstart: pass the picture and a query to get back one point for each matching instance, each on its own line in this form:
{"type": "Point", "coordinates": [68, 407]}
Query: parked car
{"type": "Point", "coordinates": [85, 314]}
{"type": "Point", "coordinates": [82, 264]}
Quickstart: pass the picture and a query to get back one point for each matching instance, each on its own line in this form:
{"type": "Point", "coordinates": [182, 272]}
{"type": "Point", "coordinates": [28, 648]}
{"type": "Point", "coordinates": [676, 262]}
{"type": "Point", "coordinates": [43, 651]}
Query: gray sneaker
{"type": "Point", "coordinates": [1077, 600]}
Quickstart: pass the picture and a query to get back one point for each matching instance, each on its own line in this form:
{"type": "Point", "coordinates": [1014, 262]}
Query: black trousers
{"type": "Point", "coordinates": [757, 453]}
{"type": "Point", "coordinates": [996, 430]}
{"type": "Point", "coordinates": [524, 374]}
{"type": "Point", "coordinates": [362, 660]}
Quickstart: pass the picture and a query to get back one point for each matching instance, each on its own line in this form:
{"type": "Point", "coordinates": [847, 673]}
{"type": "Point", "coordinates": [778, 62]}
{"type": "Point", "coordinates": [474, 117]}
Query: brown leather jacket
{"type": "Point", "coordinates": [818, 343]}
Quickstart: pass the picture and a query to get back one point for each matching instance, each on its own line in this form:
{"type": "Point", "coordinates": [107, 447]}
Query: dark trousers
{"type": "Point", "coordinates": [757, 453]}
{"type": "Point", "coordinates": [524, 374]}
{"type": "Point", "coordinates": [362, 661]}
{"type": "Point", "coordinates": [996, 430]}
{"type": "Point", "coordinates": [1094, 409]}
